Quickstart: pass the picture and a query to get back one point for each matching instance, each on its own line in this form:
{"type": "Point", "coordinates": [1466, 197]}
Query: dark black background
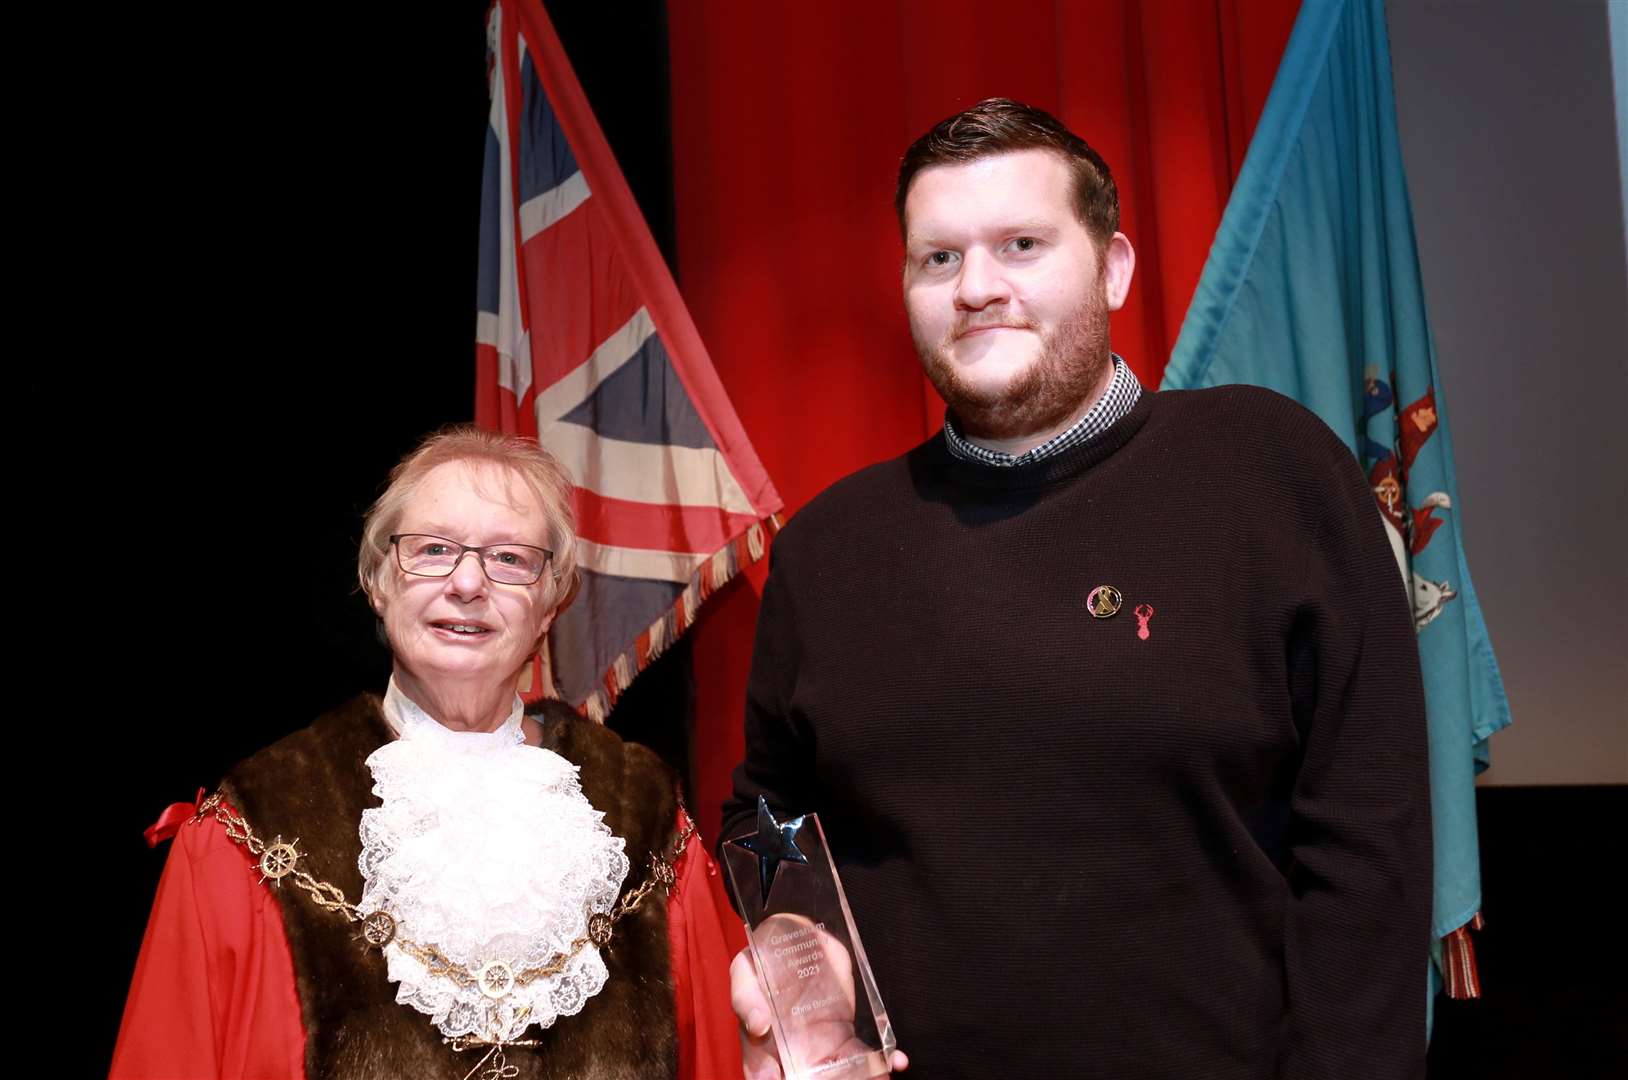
{"type": "Point", "coordinates": [270, 285]}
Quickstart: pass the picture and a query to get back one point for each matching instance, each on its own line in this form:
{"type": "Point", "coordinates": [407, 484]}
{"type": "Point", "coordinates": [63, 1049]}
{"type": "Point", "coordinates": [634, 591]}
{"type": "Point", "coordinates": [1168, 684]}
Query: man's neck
{"type": "Point", "coordinates": [1022, 444]}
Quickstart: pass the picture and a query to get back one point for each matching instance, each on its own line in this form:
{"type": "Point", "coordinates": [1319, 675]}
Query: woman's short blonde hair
{"type": "Point", "coordinates": [465, 443]}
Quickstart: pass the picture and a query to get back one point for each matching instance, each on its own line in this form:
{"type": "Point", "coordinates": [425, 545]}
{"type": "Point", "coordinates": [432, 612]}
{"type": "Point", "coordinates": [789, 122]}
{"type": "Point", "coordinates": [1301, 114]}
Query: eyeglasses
{"type": "Point", "coordinates": [436, 556]}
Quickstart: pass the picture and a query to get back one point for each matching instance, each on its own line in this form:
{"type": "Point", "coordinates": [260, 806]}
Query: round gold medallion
{"type": "Point", "coordinates": [378, 928]}
{"type": "Point", "coordinates": [496, 979]}
{"type": "Point", "coordinates": [278, 860]}
{"type": "Point", "coordinates": [599, 928]}
{"type": "Point", "coordinates": [1104, 601]}
{"type": "Point", "coordinates": [663, 872]}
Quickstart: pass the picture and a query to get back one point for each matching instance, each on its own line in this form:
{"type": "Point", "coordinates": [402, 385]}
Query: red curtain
{"type": "Point", "coordinates": [789, 121]}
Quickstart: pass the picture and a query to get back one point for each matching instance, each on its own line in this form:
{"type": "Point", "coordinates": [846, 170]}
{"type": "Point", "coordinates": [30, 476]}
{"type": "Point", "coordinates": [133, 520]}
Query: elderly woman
{"type": "Point", "coordinates": [436, 884]}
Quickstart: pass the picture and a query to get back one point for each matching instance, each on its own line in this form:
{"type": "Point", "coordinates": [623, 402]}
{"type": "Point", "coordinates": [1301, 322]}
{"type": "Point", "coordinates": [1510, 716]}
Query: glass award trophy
{"type": "Point", "coordinates": [828, 1020]}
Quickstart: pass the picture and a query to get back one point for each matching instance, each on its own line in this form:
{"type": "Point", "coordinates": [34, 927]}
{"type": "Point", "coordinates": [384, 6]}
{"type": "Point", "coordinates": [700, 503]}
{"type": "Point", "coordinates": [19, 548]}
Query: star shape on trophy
{"type": "Point", "coordinates": [773, 843]}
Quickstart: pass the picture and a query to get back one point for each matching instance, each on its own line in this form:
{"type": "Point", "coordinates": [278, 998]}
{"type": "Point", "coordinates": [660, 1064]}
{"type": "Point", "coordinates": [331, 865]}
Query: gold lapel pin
{"type": "Point", "coordinates": [1103, 602]}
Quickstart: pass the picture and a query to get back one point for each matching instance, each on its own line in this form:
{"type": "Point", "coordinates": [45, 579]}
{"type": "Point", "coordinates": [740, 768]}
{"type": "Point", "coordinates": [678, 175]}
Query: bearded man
{"type": "Point", "coordinates": [1106, 698]}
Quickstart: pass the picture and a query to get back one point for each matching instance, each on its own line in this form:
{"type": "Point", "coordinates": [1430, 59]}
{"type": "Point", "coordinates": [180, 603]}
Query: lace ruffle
{"type": "Point", "coordinates": [486, 849]}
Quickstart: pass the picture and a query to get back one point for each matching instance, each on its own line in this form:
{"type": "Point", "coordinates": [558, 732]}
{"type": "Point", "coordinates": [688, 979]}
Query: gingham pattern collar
{"type": "Point", "coordinates": [1120, 397]}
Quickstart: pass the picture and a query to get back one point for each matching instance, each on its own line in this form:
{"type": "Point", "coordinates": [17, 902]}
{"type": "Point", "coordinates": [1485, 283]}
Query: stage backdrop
{"type": "Point", "coordinates": [788, 126]}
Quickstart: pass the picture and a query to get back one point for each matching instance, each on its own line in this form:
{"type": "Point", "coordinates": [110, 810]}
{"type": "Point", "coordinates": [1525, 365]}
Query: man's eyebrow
{"type": "Point", "coordinates": [918, 240]}
{"type": "Point", "coordinates": [1026, 227]}
{"type": "Point", "coordinates": [1032, 227]}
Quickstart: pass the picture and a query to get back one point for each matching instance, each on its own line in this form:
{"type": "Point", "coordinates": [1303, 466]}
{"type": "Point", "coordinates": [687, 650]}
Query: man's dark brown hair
{"type": "Point", "coordinates": [1000, 126]}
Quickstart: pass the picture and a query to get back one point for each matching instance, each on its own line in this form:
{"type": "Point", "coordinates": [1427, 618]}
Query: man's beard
{"type": "Point", "coordinates": [1073, 359]}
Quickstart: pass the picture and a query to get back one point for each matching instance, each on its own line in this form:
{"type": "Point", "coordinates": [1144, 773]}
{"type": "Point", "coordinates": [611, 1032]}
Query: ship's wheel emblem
{"type": "Point", "coordinates": [378, 928]}
{"type": "Point", "coordinates": [279, 860]}
{"type": "Point", "coordinates": [496, 979]}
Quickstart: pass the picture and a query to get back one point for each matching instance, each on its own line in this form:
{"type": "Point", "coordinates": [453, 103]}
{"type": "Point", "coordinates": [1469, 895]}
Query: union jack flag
{"type": "Point", "coordinates": [583, 342]}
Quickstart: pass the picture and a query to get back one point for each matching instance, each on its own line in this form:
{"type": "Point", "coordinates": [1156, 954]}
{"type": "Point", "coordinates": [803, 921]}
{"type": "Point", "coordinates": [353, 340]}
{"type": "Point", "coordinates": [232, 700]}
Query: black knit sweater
{"type": "Point", "coordinates": [1074, 851]}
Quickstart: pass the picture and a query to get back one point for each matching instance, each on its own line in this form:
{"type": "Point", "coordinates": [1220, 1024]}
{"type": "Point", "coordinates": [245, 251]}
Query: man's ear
{"type": "Point", "coordinates": [1118, 266]}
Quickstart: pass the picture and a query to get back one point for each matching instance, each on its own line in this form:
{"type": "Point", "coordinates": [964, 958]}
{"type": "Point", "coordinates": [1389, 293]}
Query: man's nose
{"type": "Point", "coordinates": [981, 281]}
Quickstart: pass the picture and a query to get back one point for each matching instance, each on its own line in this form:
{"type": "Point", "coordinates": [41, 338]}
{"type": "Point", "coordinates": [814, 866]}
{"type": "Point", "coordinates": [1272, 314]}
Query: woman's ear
{"type": "Point", "coordinates": [548, 620]}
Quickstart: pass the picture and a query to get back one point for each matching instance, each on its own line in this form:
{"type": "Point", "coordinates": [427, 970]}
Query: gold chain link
{"type": "Point", "coordinates": [329, 897]}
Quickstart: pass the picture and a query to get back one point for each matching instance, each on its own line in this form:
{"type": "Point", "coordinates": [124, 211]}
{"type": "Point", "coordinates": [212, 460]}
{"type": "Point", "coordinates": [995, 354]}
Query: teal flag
{"type": "Point", "coordinates": [1312, 288]}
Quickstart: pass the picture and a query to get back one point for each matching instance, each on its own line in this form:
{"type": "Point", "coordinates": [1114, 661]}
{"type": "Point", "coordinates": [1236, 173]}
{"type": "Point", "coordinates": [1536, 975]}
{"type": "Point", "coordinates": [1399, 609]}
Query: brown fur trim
{"type": "Point", "coordinates": [315, 784]}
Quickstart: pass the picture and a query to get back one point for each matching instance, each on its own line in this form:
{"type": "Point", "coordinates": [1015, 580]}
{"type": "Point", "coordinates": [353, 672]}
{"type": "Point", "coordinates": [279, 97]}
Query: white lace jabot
{"type": "Point", "coordinates": [486, 849]}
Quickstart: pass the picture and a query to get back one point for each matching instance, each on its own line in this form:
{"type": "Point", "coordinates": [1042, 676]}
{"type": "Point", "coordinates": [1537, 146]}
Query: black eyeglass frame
{"type": "Point", "coordinates": [480, 557]}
